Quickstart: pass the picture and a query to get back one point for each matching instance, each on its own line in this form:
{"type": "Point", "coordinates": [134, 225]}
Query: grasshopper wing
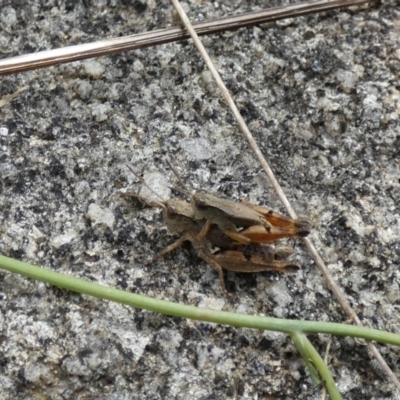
{"type": "Point", "coordinates": [259, 234]}
{"type": "Point", "coordinates": [227, 214]}
{"type": "Point", "coordinates": [281, 221]}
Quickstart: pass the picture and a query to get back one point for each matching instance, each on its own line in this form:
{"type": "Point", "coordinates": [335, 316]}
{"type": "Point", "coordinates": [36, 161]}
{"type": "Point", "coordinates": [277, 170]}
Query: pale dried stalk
{"type": "Point", "coordinates": [328, 347]}
{"type": "Point", "coordinates": [116, 45]}
{"type": "Point", "coordinates": [7, 99]}
{"type": "Point", "coordinates": [253, 145]}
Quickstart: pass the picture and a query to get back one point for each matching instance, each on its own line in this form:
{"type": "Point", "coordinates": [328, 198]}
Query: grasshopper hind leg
{"type": "Point", "coordinates": [237, 237]}
{"type": "Point", "coordinates": [204, 232]}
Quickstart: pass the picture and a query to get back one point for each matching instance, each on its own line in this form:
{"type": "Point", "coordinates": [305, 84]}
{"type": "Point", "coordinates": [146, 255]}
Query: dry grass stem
{"type": "Point", "coordinates": [7, 99]}
{"type": "Point", "coordinates": [328, 347]}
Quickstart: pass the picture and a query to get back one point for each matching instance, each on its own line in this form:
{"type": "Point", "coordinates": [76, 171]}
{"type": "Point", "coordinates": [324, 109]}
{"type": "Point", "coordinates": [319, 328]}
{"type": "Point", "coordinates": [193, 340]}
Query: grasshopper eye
{"type": "Point", "coordinates": [171, 212]}
{"type": "Point", "coordinates": [201, 204]}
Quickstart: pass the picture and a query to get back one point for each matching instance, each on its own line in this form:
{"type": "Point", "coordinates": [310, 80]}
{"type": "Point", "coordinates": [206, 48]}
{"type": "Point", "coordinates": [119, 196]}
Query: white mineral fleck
{"type": "Point", "coordinates": [66, 238]}
{"type": "Point", "coordinates": [94, 69]}
{"type": "Point", "coordinates": [159, 185]}
{"type": "Point", "coordinates": [197, 149]}
{"type": "Point", "coordinates": [100, 215]}
{"type": "Point", "coordinates": [35, 372]}
{"type": "Point", "coordinates": [212, 303]}
{"type": "Point", "coordinates": [347, 79]}
{"type": "Point", "coordinates": [280, 293]}
{"type": "Point", "coordinates": [100, 112]}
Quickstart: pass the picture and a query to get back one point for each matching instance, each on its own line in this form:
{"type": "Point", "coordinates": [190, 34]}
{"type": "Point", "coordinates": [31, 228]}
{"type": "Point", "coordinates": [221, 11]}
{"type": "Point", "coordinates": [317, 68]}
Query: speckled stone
{"type": "Point", "coordinates": [321, 96]}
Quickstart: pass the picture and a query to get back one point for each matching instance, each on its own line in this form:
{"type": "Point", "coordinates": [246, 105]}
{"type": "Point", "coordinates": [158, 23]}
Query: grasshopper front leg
{"type": "Point", "coordinates": [167, 250]}
{"type": "Point", "coordinates": [203, 251]}
{"type": "Point", "coordinates": [211, 260]}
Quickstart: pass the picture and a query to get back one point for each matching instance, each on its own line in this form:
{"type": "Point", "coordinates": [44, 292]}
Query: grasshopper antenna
{"type": "Point", "coordinates": [175, 189]}
{"type": "Point", "coordinates": [157, 203]}
{"type": "Point", "coordinates": [186, 192]}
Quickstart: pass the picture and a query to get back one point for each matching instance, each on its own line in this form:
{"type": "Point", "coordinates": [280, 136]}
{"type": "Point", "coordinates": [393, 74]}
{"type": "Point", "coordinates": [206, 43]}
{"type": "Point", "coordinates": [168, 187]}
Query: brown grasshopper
{"type": "Point", "coordinates": [214, 246]}
{"type": "Point", "coordinates": [244, 222]}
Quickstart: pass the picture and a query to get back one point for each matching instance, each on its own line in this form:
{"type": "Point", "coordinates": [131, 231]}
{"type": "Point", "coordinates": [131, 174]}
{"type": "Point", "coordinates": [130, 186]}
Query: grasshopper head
{"type": "Point", "coordinates": [171, 213]}
{"type": "Point", "coordinates": [199, 201]}
{"type": "Point", "coordinates": [178, 216]}
{"type": "Point", "coordinates": [172, 219]}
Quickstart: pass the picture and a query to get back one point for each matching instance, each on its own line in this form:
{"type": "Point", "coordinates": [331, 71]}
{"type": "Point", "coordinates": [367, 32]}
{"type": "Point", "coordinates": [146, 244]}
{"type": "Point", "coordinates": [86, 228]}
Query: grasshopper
{"type": "Point", "coordinates": [244, 222]}
{"type": "Point", "coordinates": [215, 247]}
